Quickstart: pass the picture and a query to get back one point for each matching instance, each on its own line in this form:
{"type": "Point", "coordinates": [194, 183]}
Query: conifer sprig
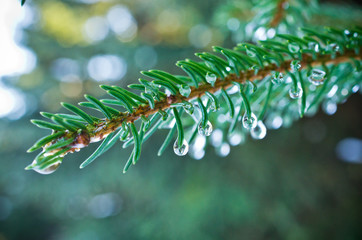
{"type": "Point", "coordinates": [264, 75]}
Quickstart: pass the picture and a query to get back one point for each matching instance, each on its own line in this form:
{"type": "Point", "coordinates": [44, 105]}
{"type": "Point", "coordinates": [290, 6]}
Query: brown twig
{"type": "Point", "coordinates": [84, 138]}
{"type": "Point", "coordinates": [279, 14]}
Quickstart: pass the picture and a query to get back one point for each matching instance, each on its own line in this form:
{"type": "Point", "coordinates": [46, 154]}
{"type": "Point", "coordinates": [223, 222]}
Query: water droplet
{"type": "Point", "coordinates": [295, 93]}
{"type": "Point", "coordinates": [185, 90]}
{"type": "Point", "coordinates": [293, 47]}
{"type": "Point", "coordinates": [277, 78]}
{"type": "Point", "coordinates": [295, 65]}
{"type": "Point", "coordinates": [181, 151]}
{"type": "Point", "coordinates": [249, 122]}
{"type": "Point", "coordinates": [317, 77]}
{"type": "Point", "coordinates": [213, 107]}
{"type": "Point", "coordinates": [205, 131]}
{"type": "Point", "coordinates": [250, 53]}
{"type": "Point", "coordinates": [189, 107]}
{"type": "Point", "coordinates": [314, 46]}
{"type": "Point", "coordinates": [333, 47]}
{"type": "Point", "coordinates": [259, 132]}
{"type": "Point", "coordinates": [49, 169]}
{"type": "Point", "coordinates": [211, 78]}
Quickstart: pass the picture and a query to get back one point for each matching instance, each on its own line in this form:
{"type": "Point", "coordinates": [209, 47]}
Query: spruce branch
{"type": "Point", "coordinates": [263, 68]}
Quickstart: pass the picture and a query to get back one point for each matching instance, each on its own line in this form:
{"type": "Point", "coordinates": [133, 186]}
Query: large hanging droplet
{"type": "Point", "coordinates": [250, 53]}
{"type": "Point", "coordinates": [48, 170]}
{"type": "Point", "coordinates": [295, 66]}
{"type": "Point", "coordinates": [211, 78]}
{"type": "Point", "coordinates": [293, 47]}
{"type": "Point", "coordinates": [181, 151]}
{"type": "Point", "coordinates": [317, 77]}
{"type": "Point", "coordinates": [249, 122]}
{"type": "Point", "coordinates": [295, 93]}
{"type": "Point", "coordinates": [259, 132]}
{"type": "Point", "coordinates": [277, 78]}
{"type": "Point", "coordinates": [185, 90]}
{"type": "Point", "coordinates": [205, 131]}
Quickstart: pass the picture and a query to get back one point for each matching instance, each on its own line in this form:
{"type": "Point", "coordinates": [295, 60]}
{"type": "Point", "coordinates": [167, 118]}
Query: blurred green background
{"type": "Point", "coordinates": [300, 182]}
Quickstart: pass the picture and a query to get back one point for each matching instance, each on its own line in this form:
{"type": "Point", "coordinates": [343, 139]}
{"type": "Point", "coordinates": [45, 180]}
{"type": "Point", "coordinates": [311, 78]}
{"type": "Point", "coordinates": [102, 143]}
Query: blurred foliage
{"type": "Point", "coordinates": [289, 186]}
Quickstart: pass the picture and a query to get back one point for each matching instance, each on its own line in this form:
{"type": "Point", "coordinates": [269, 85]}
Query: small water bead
{"type": "Point", "coordinates": [293, 47]}
{"type": "Point", "coordinates": [295, 66]}
{"type": "Point", "coordinates": [250, 53]}
{"type": "Point", "coordinates": [295, 93]}
{"type": "Point", "coordinates": [317, 77]}
{"type": "Point", "coordinates": [277, 78]}
{"type": "Point", "coordinates": [205, 131]}
{"type": "Point", "coordinates": [249, 122]}
{"type": "Point", "coordinates": [211, 78]}
{"type": "Point", "coordinates": [48, 170]}
{"type": "Point", "coordinates": [259, 132]}
{"type": "Point", "coordinates": [185, 90]}
{"type": "Point", "coordinates": [189, 107]}
{"type": "Point", "coordinates": [181, 151]}
{"type": "Point", "coordinates": [213, 107]}
{"type": "Point", "coordinates": [314, 46]}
